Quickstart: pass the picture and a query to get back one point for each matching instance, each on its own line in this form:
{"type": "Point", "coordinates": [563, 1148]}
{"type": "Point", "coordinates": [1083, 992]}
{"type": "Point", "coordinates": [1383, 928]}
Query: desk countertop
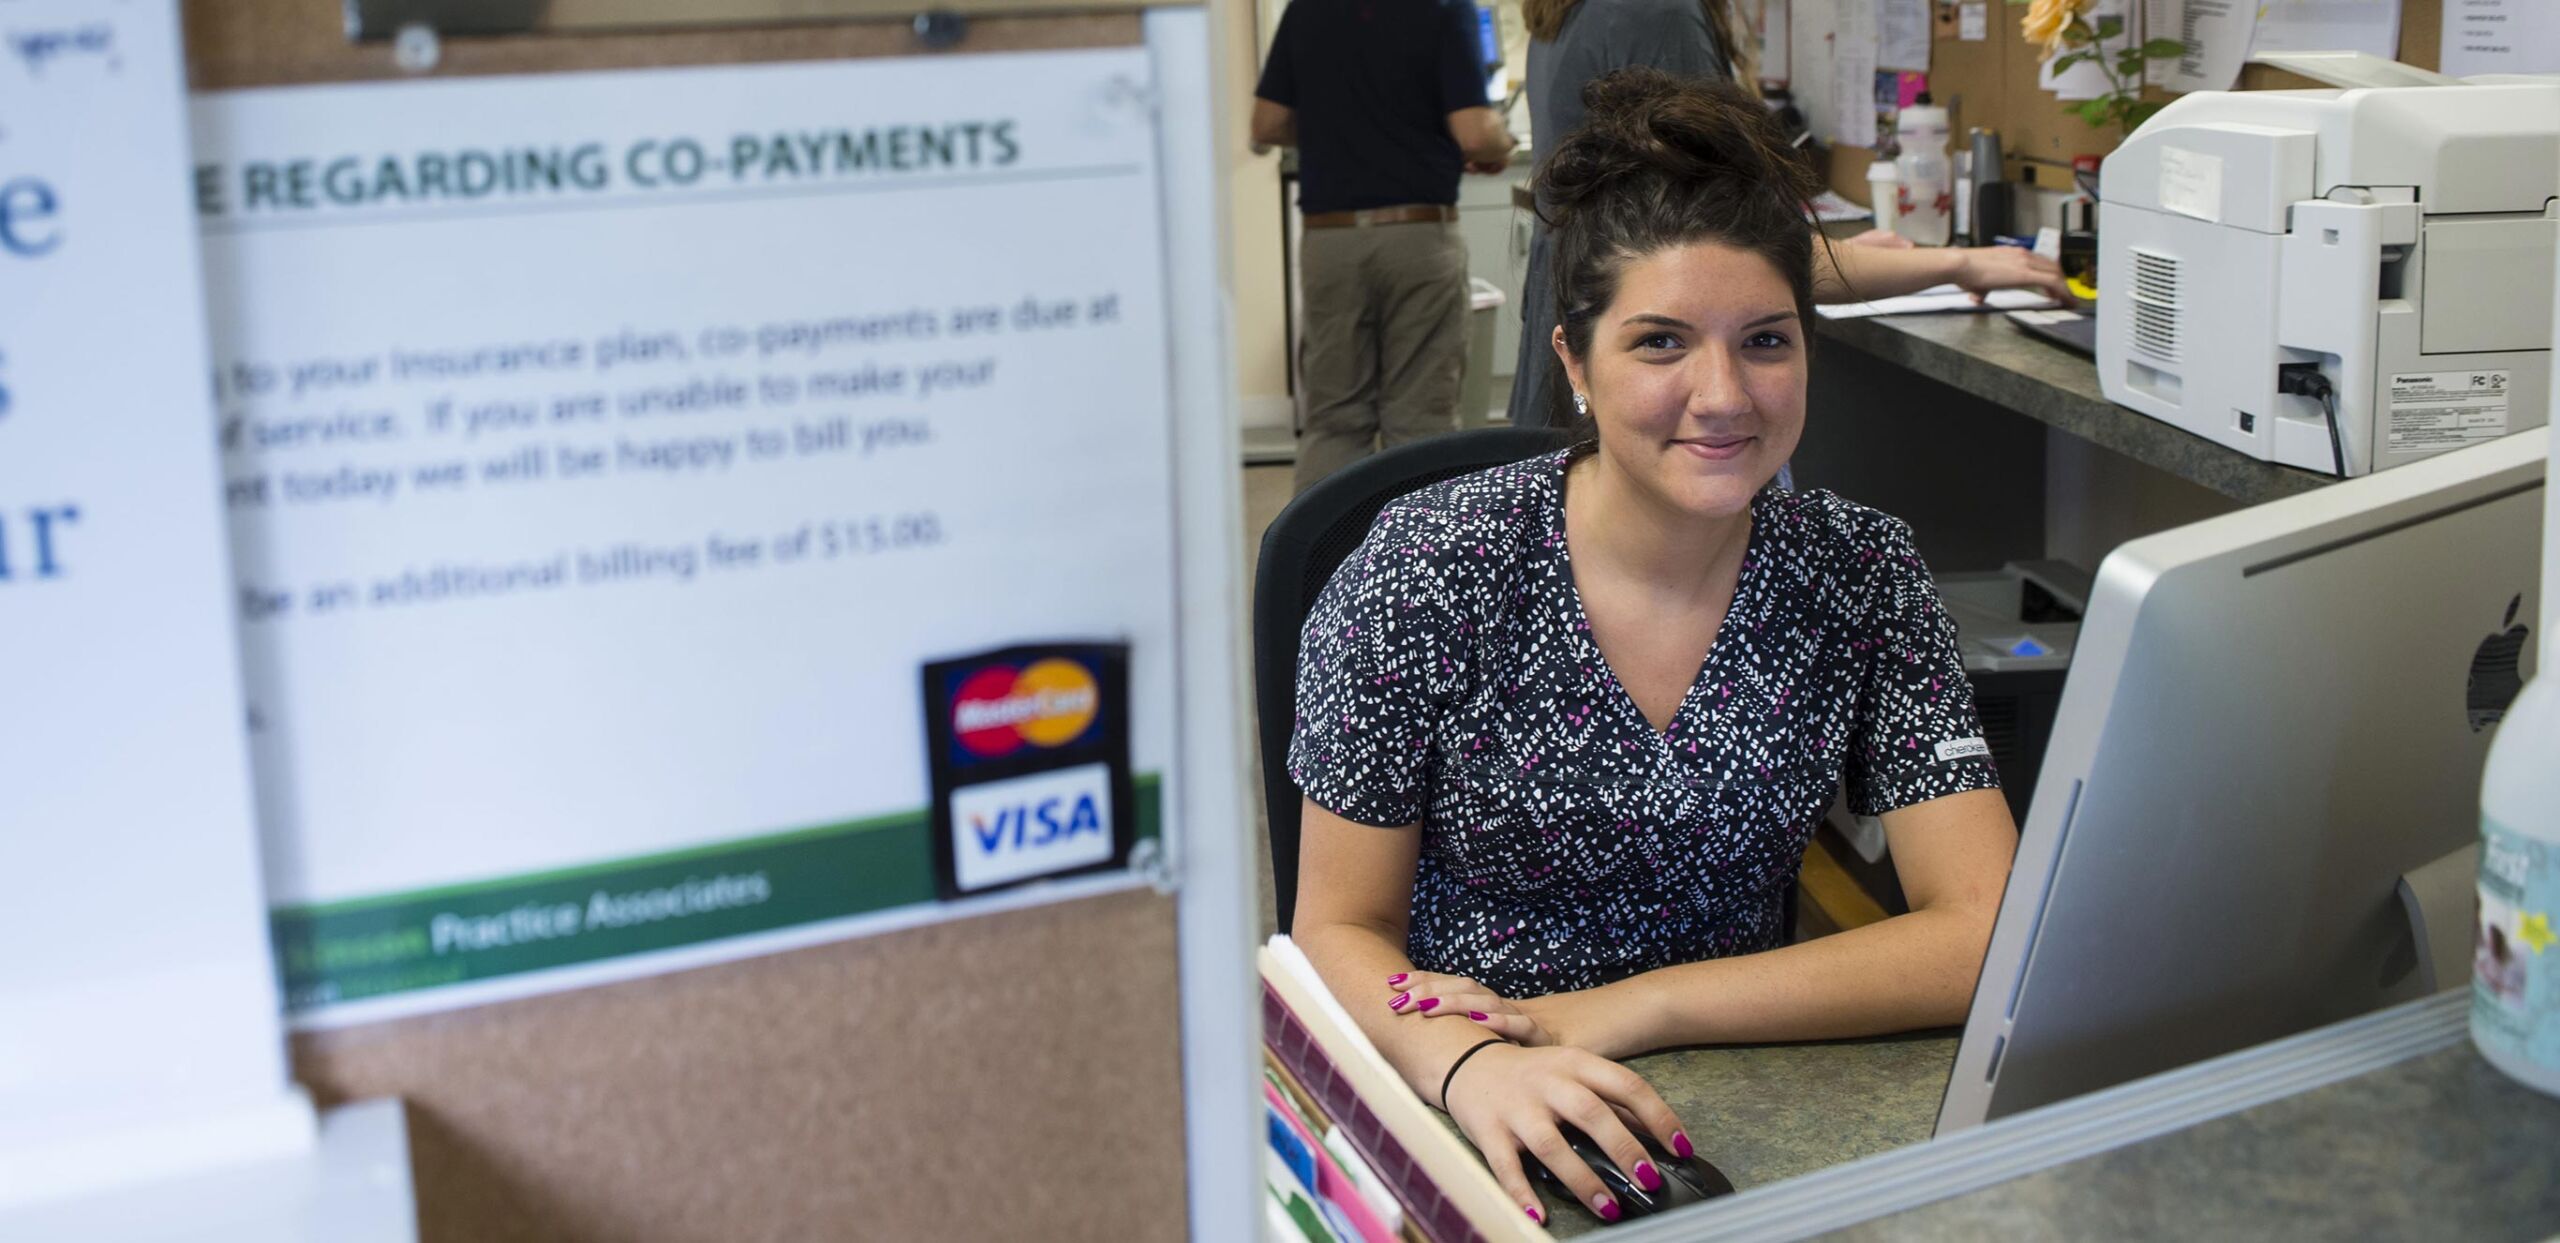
{"type": "Point", "coordinates": [1987, 356]}
{"type": "Point", "coordinates": [1766, 1113]}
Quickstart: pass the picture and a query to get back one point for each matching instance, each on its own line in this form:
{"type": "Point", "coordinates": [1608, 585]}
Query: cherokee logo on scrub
{"type": "Point", "coordinates": [1048, 703]}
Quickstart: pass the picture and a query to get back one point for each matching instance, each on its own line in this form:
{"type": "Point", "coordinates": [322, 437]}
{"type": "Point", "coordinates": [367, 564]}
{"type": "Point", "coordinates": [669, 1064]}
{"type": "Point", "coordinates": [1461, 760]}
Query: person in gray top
{"type": "Point", "coordinates": [1572, 42]}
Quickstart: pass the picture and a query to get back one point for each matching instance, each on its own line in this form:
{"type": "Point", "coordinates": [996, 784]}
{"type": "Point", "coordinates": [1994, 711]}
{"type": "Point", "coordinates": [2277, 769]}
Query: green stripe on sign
{"type": "Point", "coordinates": [450, 934]}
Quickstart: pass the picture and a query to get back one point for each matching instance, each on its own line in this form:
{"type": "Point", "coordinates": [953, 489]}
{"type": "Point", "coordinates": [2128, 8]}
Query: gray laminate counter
{"type": "Point", "coordinates": [1988, 357]}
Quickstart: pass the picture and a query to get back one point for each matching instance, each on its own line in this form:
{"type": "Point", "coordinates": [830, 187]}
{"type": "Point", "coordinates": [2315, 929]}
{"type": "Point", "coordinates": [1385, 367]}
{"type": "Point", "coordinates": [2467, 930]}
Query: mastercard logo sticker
{"type": "Point", "coordinates": [1048, 703]}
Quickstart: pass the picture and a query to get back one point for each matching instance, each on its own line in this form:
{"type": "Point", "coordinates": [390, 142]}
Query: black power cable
{"type": "Point", "coordinates": [2329, 407]}
{"type": "Point", "coordinates": [2305, 379]}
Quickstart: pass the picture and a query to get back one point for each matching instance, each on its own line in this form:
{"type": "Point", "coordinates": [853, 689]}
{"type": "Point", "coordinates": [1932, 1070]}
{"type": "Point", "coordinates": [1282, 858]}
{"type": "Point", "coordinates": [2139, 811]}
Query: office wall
{"type": "Point", "coordinates": [1260, 283]}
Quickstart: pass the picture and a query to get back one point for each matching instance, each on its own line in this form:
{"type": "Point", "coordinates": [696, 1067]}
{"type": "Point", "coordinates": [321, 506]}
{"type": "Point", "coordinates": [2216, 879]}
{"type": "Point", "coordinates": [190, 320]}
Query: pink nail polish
{"type": "Point", "coordinates": [1478, 1015]}
{"type": "Point", "coordinates": [1398, 1003]}
{"type": "Point", "coordinates": [1680, 1145]}
{"type": "Point", "coordinates": [1397, 978]}
{"type": "Point", "coordinates": [1427, 1004]}
{"type": "Point", "coordinates": [1605, 1207]}
{"type": "Point", "coordinates": [1648, 1177]}
{"type": "Point", "coordinates": [1534, 1214]}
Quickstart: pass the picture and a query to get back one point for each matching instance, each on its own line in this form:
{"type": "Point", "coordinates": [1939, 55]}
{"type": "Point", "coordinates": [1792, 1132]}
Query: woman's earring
{"type": "Point", "coordinates": [1581, 406]}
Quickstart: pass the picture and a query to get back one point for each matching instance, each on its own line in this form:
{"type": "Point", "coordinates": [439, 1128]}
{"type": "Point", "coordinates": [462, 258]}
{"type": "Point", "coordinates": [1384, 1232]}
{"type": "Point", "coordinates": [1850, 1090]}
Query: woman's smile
{"type": "Point", "coordinates": [1716, 448]}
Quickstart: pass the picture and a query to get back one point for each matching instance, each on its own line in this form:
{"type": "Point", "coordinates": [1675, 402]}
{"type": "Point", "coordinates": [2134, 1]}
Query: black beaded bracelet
{"type": "Point", "coordinates": [1447, 1079]}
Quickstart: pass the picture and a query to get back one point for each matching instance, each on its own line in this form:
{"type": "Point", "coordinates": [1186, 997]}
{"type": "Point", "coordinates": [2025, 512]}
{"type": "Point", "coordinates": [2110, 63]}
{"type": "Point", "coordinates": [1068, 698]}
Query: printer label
{"type": "Point", "coordinates": [2191, 183]}
{"type": "Point", "coordinates": [2432, 411]}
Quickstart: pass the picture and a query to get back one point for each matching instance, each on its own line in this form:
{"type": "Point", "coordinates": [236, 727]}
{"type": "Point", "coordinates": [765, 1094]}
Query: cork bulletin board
{"type": "Point", "coordinates": [1992, 82]}
{"type": "Point", "coordinates": [1012, 1075]}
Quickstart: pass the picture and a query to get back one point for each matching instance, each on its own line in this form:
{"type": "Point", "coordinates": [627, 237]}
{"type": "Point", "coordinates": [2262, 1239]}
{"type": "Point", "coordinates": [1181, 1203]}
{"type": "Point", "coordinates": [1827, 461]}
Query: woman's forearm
{"type": "Point", "coordinates": [1355, 961]}
{"type": "Point", "coordinates": [1862, 273]}
{"type": "Point", "coordinates": [1911, 971]}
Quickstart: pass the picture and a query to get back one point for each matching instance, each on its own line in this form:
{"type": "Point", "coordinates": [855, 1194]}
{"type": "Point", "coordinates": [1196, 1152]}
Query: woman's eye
{"type": "Point", "coordinates": [1768, 341]}
{"type": "Point", "coordinates": [1658, 341]}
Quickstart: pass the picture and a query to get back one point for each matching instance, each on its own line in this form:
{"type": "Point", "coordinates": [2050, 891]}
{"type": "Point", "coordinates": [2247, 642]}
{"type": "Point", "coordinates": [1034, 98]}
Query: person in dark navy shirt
{"type": "Point", "coordinates": [1385, 102]}
{"type": "Point", "coordinates": [1566, 726]}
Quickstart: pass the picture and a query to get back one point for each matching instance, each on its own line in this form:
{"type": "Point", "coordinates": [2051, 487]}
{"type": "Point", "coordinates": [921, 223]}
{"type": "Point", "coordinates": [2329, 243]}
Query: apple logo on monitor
{"type": "Point", "coordinates": [2495, 679]}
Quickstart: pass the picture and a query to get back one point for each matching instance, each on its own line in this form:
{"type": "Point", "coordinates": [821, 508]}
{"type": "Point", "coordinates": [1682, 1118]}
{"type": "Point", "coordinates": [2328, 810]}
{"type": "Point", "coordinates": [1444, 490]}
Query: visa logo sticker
{"type": "Point", "coordinates": [1009, 830]}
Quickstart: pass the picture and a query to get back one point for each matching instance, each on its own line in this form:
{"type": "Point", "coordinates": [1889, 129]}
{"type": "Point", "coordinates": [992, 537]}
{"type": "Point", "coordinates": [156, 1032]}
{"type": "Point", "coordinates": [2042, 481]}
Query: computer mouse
{"type": "Point", "coordinates": [1684, 1180]}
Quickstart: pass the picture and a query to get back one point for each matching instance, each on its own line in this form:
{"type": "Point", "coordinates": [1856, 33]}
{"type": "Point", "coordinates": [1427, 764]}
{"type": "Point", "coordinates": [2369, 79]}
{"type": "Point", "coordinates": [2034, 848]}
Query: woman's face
{"type": "Point", "coordinates": [1696, 376]}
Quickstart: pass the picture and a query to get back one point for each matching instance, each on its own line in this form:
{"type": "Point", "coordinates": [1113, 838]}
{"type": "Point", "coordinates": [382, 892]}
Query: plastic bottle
{"type": "Point", "coordinates": [1927, 200]}
{"type": "Point", "coordinates": [1884, 189]}
{"type": "Point", "coordinates": [2515, 961]}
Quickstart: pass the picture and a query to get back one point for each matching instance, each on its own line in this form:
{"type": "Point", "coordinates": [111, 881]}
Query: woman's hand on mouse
{"type": "Point", "coordinates": [1510, 1099]}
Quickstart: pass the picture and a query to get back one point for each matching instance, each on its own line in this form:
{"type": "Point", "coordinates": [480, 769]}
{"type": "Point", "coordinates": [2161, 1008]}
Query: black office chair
{"type": "Point", "coordinates": [1299, 553]}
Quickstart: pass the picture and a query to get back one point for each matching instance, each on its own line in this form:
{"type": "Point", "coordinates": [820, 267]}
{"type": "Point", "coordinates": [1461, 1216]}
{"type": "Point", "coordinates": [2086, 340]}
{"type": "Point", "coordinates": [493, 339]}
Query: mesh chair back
{"type": "Point", "coordinates": [1299, 553]}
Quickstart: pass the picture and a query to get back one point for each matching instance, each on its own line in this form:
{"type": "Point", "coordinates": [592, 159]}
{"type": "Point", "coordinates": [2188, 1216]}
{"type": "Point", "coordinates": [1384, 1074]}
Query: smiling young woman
{"type": "Point", "coordinates": [1565, 727]}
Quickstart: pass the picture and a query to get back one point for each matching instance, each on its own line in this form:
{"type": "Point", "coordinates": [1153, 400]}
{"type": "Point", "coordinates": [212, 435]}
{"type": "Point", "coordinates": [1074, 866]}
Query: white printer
{"type": "Point", "coordinates": [2343, 281]}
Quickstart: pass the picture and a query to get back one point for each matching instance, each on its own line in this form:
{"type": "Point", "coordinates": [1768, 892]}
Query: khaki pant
{"type": "Point", "coordinates": [1384, 347]}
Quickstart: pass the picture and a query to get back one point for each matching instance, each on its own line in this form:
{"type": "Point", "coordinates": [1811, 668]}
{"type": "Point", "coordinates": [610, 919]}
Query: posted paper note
{"type": "Point", "coordinates": [138, 986]}
{"type": "Point", "coordinates": [605, 453]}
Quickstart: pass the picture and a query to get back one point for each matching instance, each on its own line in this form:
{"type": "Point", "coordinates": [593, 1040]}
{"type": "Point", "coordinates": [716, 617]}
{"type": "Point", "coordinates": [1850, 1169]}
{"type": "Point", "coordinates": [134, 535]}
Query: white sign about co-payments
{"type": "Point", "coordinates": [604, 454]}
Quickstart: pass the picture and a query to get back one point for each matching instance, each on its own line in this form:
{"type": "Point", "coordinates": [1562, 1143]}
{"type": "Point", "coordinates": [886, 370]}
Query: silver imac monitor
{"type": "Point", "coordinates": [2271, 716]}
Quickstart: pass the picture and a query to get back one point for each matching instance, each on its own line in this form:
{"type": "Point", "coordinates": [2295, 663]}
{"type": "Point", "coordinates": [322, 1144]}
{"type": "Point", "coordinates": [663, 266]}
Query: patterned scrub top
{"type": "Point", "coordinates": [1448, 676]}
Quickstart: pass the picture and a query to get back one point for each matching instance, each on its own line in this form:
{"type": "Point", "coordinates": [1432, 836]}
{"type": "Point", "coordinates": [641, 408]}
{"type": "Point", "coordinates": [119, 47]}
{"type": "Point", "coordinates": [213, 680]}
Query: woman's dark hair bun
{"type": "Point", "coordinates": [1645, 122]}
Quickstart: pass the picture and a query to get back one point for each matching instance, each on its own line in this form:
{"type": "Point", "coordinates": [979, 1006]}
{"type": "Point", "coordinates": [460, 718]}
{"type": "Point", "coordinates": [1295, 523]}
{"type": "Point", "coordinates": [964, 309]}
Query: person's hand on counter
{"type": "Point", "coordinates": [1986, 268]}
{"type": "Point", "coordinates": [1856, 271]}
{"type": "Point", "coordinates": [1510, 1099]}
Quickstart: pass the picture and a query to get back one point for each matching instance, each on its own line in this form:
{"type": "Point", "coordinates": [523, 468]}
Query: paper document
{"type": "Point", "coordinates": [2217, 34]}
{"type": "Point", "coordinates": [463, 518]}
{"type": "Point", "coordinates": [1830, 208]}
{"type": "Point", "coordinates": [1936, 298]}
{"type": "Point", "coordinates": [2369, 26]}
{"type": "Point", "coordinates": [2087, 80]}
{"type": "Point", "coordinates": [2500, 36]}
{"type": "Point", "coordinates": [1853, 75]}
{"type": "Point", "coordinates": [1902, 35]}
